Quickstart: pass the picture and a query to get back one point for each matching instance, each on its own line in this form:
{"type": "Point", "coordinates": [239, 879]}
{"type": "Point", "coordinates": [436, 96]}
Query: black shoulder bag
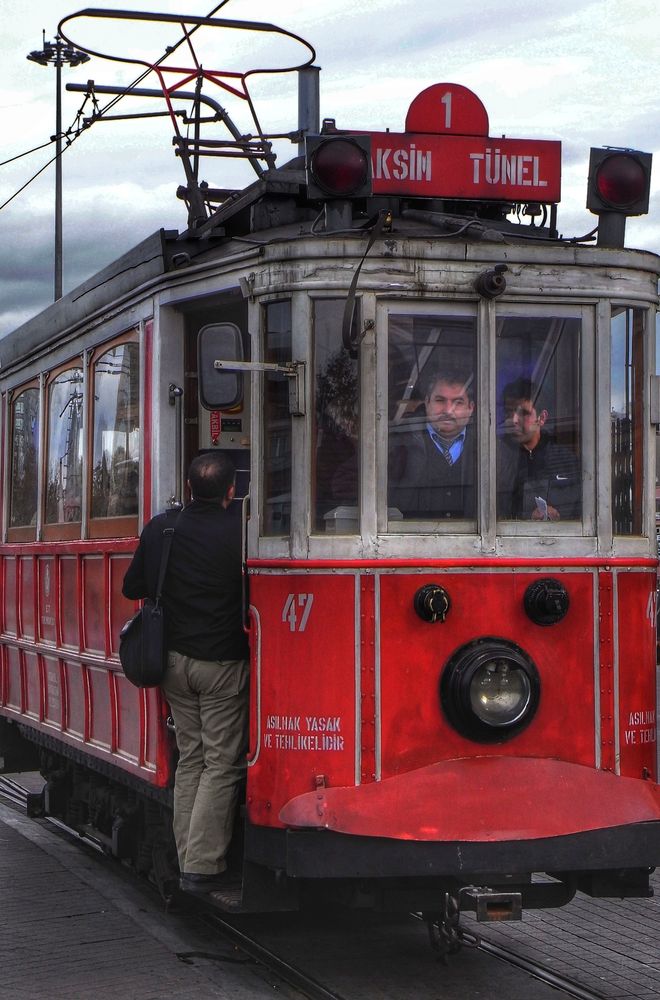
{"type": "Point", "coordinates": [142, 640]}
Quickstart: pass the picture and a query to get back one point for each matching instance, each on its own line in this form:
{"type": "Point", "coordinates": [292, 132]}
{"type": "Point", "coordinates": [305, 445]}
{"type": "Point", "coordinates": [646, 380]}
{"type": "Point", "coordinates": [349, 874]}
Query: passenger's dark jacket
{"type": "Point", "coordinates": [423, 484]}
{"type": "Point", "coordinates": [550, 471]}
{"type": "Point", "coordinates": [202, 595]}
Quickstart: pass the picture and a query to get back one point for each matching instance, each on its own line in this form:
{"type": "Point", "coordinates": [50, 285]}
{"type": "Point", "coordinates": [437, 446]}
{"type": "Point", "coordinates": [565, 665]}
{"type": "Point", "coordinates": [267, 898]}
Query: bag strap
{"type": "Point", "coordinates": [165, 555]}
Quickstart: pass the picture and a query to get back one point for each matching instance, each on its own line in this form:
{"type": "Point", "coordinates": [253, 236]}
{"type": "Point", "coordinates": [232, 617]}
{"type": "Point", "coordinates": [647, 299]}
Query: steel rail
{"type": "Point", "coordinates": [534, 969]}
{"type": "Point", "coordinates": [538, 971]}
{"type": "Point", "coordinates": [289, 973]}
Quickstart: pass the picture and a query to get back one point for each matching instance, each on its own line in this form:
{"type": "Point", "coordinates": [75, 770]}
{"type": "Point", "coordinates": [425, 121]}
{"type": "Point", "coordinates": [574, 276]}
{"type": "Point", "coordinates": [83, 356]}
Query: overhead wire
{"type": "Point", "coordinates": [100, 113]}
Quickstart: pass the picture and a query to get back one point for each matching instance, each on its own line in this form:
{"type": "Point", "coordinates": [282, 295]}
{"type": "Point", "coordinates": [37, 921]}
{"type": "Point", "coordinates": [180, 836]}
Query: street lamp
{"type": "Point", "coordinates": [58, 54]}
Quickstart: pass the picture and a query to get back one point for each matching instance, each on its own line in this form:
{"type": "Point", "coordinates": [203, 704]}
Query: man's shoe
{"type": "Point", "coordinates": [200, 884]}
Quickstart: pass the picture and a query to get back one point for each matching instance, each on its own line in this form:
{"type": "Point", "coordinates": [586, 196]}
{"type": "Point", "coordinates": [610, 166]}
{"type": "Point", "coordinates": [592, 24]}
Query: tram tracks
{"type": "Point", "coordinates": [286, 970]}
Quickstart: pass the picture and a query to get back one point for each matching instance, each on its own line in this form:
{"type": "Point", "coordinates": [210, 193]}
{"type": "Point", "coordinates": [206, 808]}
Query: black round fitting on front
{"type": "Point", "coordinates": [490, 690]}
{"type": "Point", "coordinates": [491, 283]}
{"type": "Point", "coordinates": [546, 601]}
{"type": "Point", "coordinates": [432, 603]}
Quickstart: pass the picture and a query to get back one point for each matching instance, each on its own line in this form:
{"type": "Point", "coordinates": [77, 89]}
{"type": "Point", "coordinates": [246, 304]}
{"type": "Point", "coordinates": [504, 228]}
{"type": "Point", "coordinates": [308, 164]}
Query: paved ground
{"type": "Point", "coordinates": [71, 931]}
{"type": "Point", "coordinates": [611, 947]}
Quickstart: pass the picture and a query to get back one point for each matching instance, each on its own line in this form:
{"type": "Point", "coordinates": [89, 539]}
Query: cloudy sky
{"type": "Point", "coordinates": [586, 72]}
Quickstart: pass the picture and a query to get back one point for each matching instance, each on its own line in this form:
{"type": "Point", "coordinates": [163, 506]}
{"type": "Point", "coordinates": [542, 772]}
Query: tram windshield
{"type": "Point", "coordinates": [433, 446]}
{"type": "Point", "coordinates": [438, 469]}
{"type": "Point", "coordinates": [538, 406]}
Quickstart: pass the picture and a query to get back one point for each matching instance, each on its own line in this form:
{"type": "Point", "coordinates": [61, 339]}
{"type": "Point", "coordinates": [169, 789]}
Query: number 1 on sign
{"type": "Point", "coordinates": [446, 100]}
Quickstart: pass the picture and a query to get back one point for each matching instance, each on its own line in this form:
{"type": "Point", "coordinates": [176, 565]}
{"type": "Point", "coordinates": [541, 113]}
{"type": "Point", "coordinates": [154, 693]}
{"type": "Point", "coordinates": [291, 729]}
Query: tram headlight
{"type": "Point", "coordinates": [490, 689]}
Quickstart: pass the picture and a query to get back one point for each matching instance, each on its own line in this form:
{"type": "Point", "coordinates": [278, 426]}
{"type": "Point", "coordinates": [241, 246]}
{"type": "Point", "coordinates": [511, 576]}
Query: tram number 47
{"type": "Point", "coordinates": [296, 611]}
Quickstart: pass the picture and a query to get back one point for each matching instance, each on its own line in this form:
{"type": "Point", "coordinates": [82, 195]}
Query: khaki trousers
{"type": "Point", "coordinates": [209, 704]}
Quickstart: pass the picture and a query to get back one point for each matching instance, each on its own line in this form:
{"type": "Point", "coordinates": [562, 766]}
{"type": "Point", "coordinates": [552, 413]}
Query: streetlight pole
{"type": "Point", "coordinates": [58, 54]}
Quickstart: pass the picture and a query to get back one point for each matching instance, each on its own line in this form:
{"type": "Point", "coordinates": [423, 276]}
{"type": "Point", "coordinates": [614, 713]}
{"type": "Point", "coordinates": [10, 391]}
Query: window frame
{"type": "Point", "coordinates": [28, 532]}
{"type": "Point", "coordinates": [61, 530]}
{"type": "Point", "coordinates": [586, 525]}
{"type": "Point", "coordinates": [517, 537]}
{"type": "Point", "coordinates": [123, 525]}
{"type": "Point", "coordinates": [420, 527]}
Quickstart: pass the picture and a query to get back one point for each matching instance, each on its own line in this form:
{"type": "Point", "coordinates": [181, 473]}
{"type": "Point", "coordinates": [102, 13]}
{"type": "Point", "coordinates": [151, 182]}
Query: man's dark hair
{"type": "Point", "coordinates": [452, 376]}
{"type": "Point", "coordinates": [210, 475]}
{"type": "Point", "coordinates": [522, 388]}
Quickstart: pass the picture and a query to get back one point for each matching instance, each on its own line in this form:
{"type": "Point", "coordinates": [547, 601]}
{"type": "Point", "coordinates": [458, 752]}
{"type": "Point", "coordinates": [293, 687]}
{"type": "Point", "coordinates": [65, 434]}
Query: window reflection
{"type": "Point", "coordinates": [116, 435]}
{"type": "Point", "coordinates": [335, 475]}
{"type": "Point", "coordinates": [65, 448]}
{"type": "Point", "coordinates": [277, 422]}
{"type": "Point", "coordinates": [25, 450]}
{"type": "Point", "coordinates": [432, 407]}
{"type": "Point", "coordinates": [538, 405]}
{"type": "Point", "coordinates": [627, 421]}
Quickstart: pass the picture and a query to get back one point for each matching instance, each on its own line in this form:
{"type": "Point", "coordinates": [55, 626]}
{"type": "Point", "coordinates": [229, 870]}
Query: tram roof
{"type": "Point", "coordinates": [270, 211]}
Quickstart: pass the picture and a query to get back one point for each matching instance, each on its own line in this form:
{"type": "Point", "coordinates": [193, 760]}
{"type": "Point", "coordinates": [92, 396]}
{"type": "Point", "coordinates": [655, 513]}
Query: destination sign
{"type": "Point", "coordinates": [467, 167]}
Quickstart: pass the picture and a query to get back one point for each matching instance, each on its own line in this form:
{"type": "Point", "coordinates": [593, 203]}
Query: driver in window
{"type": "Point", "coordinates": [538, 478]}
{"type": "Point", "coordinates": [432, 468]}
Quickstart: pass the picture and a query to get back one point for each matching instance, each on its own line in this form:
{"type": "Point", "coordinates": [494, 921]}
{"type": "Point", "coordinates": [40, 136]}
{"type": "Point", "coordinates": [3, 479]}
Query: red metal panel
{"type": "Point", "coordinates": [367, 678]}
{"type": "Point", "coordinates": [8, 596]}
{"type": "Point", "coordinates": [101, 716]}
{"type": "Point", "coordinates": [32, 685]}
{"type": "Point", "coordinates": [53, 688]}
{"type": "Point", "coordinates": [27, 599]}
{"type": "Point", "coordinates": [307, 688]}
{"type": "Point", "coordinates": [94, 603]}
{"type": "Point", "coordinates": [47, 582]}
{"type": "Point", "coordinates": [76, 699]}
{"type": "Point", "coordinates": [69, 604]}
{"type": "Point", "coordinates": [606, 671]}
{"type": "Point", "coordinates": [13, 680]}
{"type": "Point", "coordinates": [415, 731]}
{"type": "Point", "coordinates": [635, 594]}
{"type": "Point", "coordinates": [121, 609]}
{"type": "Point", "coordinates": [129, 718]}
{"type": "Point", "coordinates": [483, 799]}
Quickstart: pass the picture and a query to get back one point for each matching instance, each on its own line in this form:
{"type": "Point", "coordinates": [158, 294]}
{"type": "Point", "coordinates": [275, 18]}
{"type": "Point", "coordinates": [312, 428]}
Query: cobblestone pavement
{"type": "Point", "coordinates": [72, 931]}
{"type": "Point", "coordinates": [609, 946]}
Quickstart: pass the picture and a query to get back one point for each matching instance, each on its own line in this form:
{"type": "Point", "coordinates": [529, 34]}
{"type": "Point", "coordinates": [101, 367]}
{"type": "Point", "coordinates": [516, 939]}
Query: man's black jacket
{"type": "Point", "coordinates": [202, 595]}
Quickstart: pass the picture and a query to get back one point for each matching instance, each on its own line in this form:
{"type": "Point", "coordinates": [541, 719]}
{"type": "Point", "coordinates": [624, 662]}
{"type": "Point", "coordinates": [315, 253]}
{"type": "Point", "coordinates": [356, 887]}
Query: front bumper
{"type": "Point", "coordinates": [465, 818]}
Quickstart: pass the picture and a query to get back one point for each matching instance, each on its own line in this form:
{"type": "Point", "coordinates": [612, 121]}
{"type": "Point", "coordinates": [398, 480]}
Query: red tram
{"type": "Point", "coordinates": [444, 699]}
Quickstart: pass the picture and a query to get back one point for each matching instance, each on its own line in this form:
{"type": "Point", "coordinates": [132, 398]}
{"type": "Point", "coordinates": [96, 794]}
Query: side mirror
{"type": "Point", "coordinates": [219, 389]}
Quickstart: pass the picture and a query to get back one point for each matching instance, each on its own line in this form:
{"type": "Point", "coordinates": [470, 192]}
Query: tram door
{"type": "Point", "coordinates": [207, 428]}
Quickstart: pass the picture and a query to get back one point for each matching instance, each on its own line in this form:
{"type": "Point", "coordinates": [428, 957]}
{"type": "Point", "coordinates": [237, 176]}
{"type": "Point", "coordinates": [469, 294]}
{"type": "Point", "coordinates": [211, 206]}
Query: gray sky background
{"type": "Point", "coordinates": [586, 72]}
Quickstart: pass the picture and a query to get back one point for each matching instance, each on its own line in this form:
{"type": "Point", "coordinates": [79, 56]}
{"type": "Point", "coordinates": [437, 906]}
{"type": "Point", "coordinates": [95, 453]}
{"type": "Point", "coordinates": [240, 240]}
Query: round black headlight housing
{"type": "Point", "coordinates": [490, 689]}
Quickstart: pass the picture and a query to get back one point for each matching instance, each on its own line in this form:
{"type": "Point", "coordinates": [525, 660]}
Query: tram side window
{"type": "Point", "coordinates": [276, 514]}
{"type": "Point", "coordinates": [64, 482]}
{"type": "Point", "coordinates": [432, 446]}
{"type": "Point", "coordinates": [538, 428]}
{"type": "Point", "coordinates": [336, 385]}
{"type": "Point", "coordinates": [116, 433]}
{"type": "Point", "coordinates": [24, 460]}
{"type": "Point", "coordinates": [627, 420]}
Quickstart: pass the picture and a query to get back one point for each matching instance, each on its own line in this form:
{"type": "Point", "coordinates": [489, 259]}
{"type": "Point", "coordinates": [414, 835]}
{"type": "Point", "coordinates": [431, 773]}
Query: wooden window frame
{"type": "Point", "coordinates": [124, 526]}
{"type": "Point", "coordinates": [27, 532]}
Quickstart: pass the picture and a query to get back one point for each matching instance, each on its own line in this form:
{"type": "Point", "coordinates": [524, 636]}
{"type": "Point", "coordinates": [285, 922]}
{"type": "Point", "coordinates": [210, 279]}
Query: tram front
{"type": "Point", "coordinates": [451, 557]}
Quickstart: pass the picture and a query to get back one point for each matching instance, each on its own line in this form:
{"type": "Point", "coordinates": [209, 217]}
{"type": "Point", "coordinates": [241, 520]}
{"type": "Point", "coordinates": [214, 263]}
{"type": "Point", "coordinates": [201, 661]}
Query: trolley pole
{"type": "Point", "coordinates": [58, 54]}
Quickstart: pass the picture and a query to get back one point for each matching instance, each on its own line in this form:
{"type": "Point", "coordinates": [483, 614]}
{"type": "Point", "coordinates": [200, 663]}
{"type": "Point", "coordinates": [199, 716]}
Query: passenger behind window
{"type": "Point", "coordinates": [432, 468]}
{"type": "Point", "coordinates": [538, 478]}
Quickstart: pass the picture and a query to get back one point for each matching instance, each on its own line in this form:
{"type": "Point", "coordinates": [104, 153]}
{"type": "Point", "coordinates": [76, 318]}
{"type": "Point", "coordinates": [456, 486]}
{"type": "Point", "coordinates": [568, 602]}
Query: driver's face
{"type": "Point", "coordinates": [448, 409]}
